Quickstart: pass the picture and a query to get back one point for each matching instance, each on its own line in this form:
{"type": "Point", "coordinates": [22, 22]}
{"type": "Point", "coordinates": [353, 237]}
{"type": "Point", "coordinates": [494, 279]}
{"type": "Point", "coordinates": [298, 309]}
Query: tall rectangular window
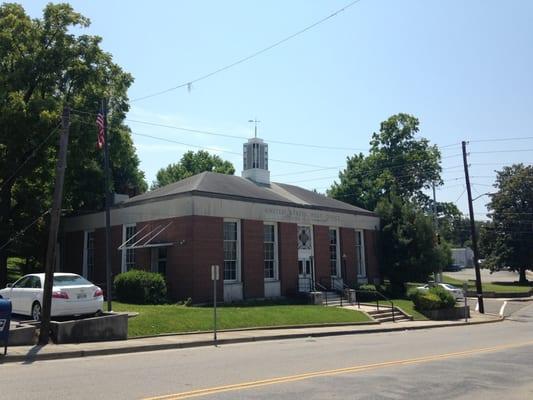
{"type": "Point", "coordinates": [231, 251]}
{"type": "Point", "coordinates": [270, 251]}
{"type": "Point", "coordinates": [128, 255]}
{"type": "Point", "coordinates": [88, 270]}
{"type": "Point", "coordinates": [333, 252]}
{"type": "Point", "coordinates": [360, 253]}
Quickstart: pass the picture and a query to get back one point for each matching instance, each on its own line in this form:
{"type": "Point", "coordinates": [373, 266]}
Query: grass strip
{"type": "Point", "coordinates": [173, 318]}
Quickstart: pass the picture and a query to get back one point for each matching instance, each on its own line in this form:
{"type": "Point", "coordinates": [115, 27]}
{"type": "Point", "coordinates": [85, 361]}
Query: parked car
{"type": "Point", "coordinates": [71, 295]}
{"type": "Point", "coordinates": [455, 291]}
{"type": "Point", "coordinates": [453, 268]}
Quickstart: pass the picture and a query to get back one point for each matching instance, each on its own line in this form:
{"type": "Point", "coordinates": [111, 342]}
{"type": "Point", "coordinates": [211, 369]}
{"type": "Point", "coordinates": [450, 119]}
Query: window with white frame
{"type": "Point", "coordinates": [270, 237]}
{"type": "Point", "coordinates": [231, 251]}
{"type": "Point", "coordinates": [88, 261]}
{"type": "Point", "coordinates": [333, 252]}
{"type": "Point", "coordinates": [128, 255]}
{"type": "Point", "coordinates": [360, 253]}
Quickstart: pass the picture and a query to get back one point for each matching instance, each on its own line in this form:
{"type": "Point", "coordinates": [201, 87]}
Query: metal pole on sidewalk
{"type": "Point", "coordinates": [214, 278]}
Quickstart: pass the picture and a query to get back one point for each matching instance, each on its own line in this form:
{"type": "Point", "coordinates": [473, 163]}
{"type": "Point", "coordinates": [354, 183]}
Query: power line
{"type": "Point", "coordinates": [204, 132]}
{"type": "Point", "coordinates": [222, 151]}
{"type": "Point", "coordinates": [22, 231]}
{"type": "Point", "coordinates": [32, 154]}
{"type": "Point", "coordinates": [501, 139]}
{"type": "Point", "coordinates": [501, 151]}
{"type": "Point", "coordinates": [249, 57]}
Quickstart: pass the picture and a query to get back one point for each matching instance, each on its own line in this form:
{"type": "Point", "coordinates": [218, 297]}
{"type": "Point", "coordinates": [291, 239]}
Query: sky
{"type": "Point", "coordinates": [463, 68]}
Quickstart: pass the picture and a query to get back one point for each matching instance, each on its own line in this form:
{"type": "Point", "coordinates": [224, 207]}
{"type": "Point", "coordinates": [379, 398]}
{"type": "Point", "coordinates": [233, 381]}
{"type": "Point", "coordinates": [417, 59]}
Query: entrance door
{"type": "Point", "coordinates": [305, 274]}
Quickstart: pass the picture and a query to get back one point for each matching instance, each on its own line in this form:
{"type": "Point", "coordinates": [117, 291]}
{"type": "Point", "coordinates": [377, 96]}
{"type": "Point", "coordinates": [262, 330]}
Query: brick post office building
{"type": "Point", "coordinates": [269, 239]}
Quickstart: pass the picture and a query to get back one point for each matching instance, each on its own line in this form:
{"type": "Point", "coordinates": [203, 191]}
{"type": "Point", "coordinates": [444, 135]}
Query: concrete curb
{"type": "Point", "coordinates": [35, 356]}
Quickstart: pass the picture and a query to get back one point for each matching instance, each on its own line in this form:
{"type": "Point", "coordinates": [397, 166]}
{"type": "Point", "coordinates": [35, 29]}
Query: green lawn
{"type": "Point", "coordinates": [409, 307]}
{"type": "Point", "coordinates": [499, 287]}
{"type": "Point", "coordinates": [172, 318]}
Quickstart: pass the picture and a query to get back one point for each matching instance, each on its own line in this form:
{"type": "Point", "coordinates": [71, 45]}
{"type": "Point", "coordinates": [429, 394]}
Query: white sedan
{"type": "Point", "coordinates": [71, 295]}
{"type": "Point", "coordinates": [455, 291]}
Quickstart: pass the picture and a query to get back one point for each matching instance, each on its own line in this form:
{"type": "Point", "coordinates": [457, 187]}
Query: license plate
{"type": "Point", "coordinates": [82, 296]}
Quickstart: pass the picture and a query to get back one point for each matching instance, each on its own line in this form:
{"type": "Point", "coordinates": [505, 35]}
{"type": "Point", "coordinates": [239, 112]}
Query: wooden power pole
{"type": "Point", "coordinates": [479, 289]}
{"type": "Point", "coordinates": [55, 215]}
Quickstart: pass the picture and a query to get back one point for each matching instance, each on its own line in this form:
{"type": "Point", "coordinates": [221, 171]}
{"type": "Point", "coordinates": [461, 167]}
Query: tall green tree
{"type": "Point", "coordinates": [398, 163]}
{"type": "Point", "coordinates": [192, 163]}
{"type": "Point", "coordinates": [409, 252]}
{"type": "Point", "coordinates": [508, 238]}
{"type": "Point", "coordinates": [43, 67]}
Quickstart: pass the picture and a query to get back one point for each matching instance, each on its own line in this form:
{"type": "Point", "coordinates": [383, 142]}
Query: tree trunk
{"type": "Point", "coordinates": [5, 233]}
{"type": "Point", "coordinates": [522, 272]}
{"type": "Point", "coordinates": [3, 269]}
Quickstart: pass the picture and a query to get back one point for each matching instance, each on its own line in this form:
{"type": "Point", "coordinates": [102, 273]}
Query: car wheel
{"type": "Point", "coordinates": [36, 311]}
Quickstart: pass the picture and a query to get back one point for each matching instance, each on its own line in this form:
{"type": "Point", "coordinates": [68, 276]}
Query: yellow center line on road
{"type": "Point", "coordinates": [353, 369]}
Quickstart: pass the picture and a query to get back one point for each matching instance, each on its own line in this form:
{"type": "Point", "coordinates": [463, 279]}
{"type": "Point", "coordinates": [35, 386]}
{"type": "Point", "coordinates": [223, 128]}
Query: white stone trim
{"type": "Point", "coordinates": [223, 208]}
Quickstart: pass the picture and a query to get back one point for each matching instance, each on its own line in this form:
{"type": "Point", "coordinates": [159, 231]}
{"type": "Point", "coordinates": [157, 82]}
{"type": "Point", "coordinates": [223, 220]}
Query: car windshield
{"type": "Point", "coordinates": [70, 280]}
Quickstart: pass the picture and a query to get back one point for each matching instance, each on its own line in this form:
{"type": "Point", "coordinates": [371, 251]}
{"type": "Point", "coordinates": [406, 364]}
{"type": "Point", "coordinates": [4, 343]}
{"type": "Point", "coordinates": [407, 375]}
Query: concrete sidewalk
{"type": "Point", "coordinates": [29, 354]}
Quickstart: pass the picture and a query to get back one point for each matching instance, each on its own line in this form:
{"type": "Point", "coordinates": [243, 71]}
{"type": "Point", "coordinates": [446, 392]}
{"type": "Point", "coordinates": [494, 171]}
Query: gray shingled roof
{"type": "Point", "coordinates": [221, 185]}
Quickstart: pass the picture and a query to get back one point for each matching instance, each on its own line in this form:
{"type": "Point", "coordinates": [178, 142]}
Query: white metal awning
{"type": "Point", "coordinates": [147, 240]}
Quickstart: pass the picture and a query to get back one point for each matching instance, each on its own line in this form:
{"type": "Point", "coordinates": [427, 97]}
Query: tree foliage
{"type": "Point", "coordinates": [391, 180]}
{"type": "Point", "coordinates": [43, 67]}
{"type": "Point", "coordinates": [408, 247]}
{"type": "Point", "coordinates": [192, 163]}
{"type": "Point", "coordinates": [508, 238]}
{"type": "Point", "coordinates": [398, 163]}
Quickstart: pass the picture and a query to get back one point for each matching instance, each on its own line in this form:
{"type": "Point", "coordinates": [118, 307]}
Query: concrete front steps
{"type": "Point", "coordinates": [333, 299]}
{"type": "Point", "coordinates": [384, 314]}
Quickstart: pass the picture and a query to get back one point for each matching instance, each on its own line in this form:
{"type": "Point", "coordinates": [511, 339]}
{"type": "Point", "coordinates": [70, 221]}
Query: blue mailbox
{"type": "Point", "coordinates": [5, 320]}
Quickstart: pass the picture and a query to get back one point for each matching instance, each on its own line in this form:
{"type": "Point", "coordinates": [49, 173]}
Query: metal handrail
{"type": "Point", "coordinates": [377, 300]}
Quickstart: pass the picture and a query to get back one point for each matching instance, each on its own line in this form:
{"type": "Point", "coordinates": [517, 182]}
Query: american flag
{"type": "Point", "coordinates": [100, 140]}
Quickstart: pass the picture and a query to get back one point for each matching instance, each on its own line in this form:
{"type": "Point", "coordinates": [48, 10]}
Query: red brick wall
{"type": "Point", "coordinates": [321, 249]}
{"type": "Point", "coordinates": [208, 249]}
{"type": "Point", "coordinates": [288, 258]}
{"type": "Point", "coordinates": [371, 256]}
{"type": "Point", "coordinates": [253, 276]}
{"type": "Point", "coordinates": [347, 241]}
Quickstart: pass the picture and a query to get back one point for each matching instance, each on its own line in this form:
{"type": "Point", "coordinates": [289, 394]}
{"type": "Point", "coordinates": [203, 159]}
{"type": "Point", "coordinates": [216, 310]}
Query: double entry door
{"type": "Point", "coordinates": [305, 274]}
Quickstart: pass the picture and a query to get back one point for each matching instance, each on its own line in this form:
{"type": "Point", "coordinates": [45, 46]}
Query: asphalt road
{"type": "Point", "coordinates": [473, 362]}
{"type": "Point", "coordinates": [486, 276]}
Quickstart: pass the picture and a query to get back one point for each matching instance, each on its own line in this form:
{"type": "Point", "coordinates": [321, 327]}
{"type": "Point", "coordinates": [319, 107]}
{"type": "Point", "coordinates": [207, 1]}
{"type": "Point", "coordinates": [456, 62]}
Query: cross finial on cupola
{"type": "Point", "coordinates": [255, 121]}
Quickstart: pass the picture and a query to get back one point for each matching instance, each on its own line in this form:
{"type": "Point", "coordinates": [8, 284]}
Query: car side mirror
{"type": "Point", "coordinates": [9, 285]}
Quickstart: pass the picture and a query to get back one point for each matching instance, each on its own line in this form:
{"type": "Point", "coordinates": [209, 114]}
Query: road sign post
{"type": "Point", "coordinates": [214, 278]}
{"type": "Point", "coordinates": [465, 290]}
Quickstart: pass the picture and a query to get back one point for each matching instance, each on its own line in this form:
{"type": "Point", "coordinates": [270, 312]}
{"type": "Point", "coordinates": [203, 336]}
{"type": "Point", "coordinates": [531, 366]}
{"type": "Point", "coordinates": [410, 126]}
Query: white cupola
{"type": "Point", "coordinates": [255, 161]}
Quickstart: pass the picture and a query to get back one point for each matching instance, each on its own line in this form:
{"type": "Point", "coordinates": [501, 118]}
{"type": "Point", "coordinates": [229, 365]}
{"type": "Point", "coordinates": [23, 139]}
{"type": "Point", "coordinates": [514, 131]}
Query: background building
{"type": "Point", "coordinates": [270, 239]}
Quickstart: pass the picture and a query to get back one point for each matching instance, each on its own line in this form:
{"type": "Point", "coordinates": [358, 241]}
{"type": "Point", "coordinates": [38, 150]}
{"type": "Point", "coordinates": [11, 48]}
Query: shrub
{"type": "Point", "coordinates": [446, 298]}
{"type": "Point", "coordinates": [432, 299]}
{"type": "Point", "coordinates": [141, 287]}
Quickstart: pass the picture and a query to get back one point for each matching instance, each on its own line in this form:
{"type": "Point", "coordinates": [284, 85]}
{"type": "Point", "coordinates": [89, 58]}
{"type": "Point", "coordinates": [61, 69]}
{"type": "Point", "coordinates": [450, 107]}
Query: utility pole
{"type": "Point", "coordinates": [438, 277]}
{"type": "Point", "coordinates": [107, 213]}
{"type": "Point", "coordinates": [55, 215]}
{"type": "Point", "coordinates": [479, 288]}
